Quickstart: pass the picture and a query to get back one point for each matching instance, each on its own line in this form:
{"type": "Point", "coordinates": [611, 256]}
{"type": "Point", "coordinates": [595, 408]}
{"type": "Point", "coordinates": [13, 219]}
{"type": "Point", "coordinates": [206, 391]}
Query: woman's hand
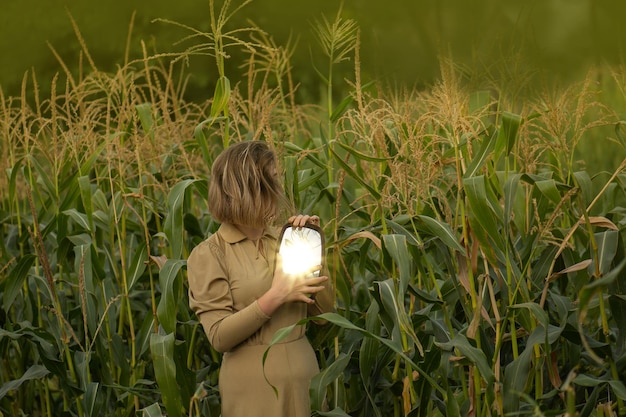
{"type": "Point", "coordinates": [302, 219]}
{"type": "Point", "coordinates": [288, 288]}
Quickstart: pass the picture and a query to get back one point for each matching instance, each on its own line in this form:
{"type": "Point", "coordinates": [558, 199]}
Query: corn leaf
{"type": "Point", "coordinates": [607, 243]}
{"type": "Point", "coordinates": [396, 247]}
{"type": "Point", "coordinates": [90, 400]}
{"type": "Point", "coordinates": [162, 349]}
{"type": "Point", "coordinates": [507, 134]}
{"type": "Point", "coordinates": [170, 293]}
{"type": "Point", "coordinates": [221, 96]}
{"type": "Point", "coordinates": [137, 265]}
{"type": "Point", "coordinates": [317, 387]}
{"type": "Point", "coordinates": [34, 372]}
{"type": "Point", "coordinates": [144, 111]}
{"type": "Point", "coordinates": [474, 355]}
{"type": "Point", "coordinates": [518, 373]}
{"type": "Point", "coordinates": [350, 171]}
{"type": "Point", "coordinates": [485, 152]}
{"type": "Point", "coordinates": [174, 221]}
{"type": "Point", "coordinates": [440, 230]}
{"type": "Point", "coordinates": [482, 211]}
{"type": "Point", "coordinates": [79, 218]}
{"type": "Point", "coordinates": [344, 323]}
{"type": "Point", "coordinates": [16, 279]}
{"type": "Point", "coordinates": [153, 410]}
{"type": "Point", "coordinates": [549, 189]}
{"type": "Point", "coordinates": [360, 155]}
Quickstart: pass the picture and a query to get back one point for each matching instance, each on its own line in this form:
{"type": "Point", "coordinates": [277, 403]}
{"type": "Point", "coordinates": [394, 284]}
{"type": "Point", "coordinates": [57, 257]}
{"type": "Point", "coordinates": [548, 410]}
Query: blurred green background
{"type": "Point", "coordinates": [401, 40]}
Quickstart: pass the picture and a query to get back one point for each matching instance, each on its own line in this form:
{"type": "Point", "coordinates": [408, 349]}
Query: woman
{"type": "Point", "coordinates": [241, 299]}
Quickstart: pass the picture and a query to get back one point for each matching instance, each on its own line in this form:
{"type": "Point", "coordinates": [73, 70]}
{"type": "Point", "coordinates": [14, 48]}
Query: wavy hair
{"type": "Point", "coordinates": [244, 187]}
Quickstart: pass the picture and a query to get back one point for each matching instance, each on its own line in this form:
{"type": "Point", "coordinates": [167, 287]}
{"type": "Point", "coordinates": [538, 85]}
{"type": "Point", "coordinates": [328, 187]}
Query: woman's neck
{"type": "Point", "coordinates": [252, 233]}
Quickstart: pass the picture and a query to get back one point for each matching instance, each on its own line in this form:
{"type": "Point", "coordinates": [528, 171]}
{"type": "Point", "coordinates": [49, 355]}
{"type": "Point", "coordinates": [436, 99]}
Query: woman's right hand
{"type": "Point", "coordinates": [288, 288]}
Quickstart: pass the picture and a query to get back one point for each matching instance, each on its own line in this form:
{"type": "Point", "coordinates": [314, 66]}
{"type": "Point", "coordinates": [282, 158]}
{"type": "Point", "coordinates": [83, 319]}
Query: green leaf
{"type": "Point", "coordinates": [144, 111]}
{"type": "Point", "coordinates": [516, 376]}
{"type": "Point", "coordinates": [507, 134]}
{"type": "Point", "coordinates": [440, 230]}
{"type": "Point", "coordinates": [482, 211]}
{"type": "Point", "coordinates": [308, 177]}
{"type": "Point", "coordinates": [87, 165]}
{"type": "Point", "coordinates": [511, 188]}
{"type": "Point", "coordinates": [34, 372]}
{"type": "Point", "coordinates": [549, 189]}
{"type": "Point", "coordinates": [400, 229]}
{"type": "Point", "coordinates": [290, 164]}
{"type": "Point", "coordinates": [162, 349]}
{"type": "Point", "coordinates": [360, 155]}
{"type": "Point", "coordinates": [597, 285]}
{"type": "Point", "coordinates": [396, 246]}
{"type": "Point", "coordinates": [369, 346]}
{"type": "Point", "coordinates": [479, 100]}
{"type": "Point", "coordinates": [310, 156]}
{"type": "Point", "coordinates": [81, 239]}
{"type": "Point", "coordinates": [137, 265]}
{"type": "Point", "coordinates": [396, 311]}
{"type": "Point", "coordinates": [13, 173]}
{"type": "Point", "coordinates": [201, 139]}
{"type": "Point", "coordinates": [607, 243]}
{"type": "Point", "coordinates": [85, 195]}
{"type": "Point", "coordinates": [280, 335]}
{"type": "Point", "coordinates": [587, 292]}
{"type": "Point", "coordinates": [474, 355]}
{"type": "Point", "coordinates": [586, 380]}
{"type": "Point", "coordinates": [617, 303]}
{"type": "Point", "coordinates": [586, 186]}
{"type": "Point", "coordinates": [317, 387]}
{"type": "Point", "coordinates": [536, 310]}
{"type": "Point", "coordinates": [44, 178]}
{"type": "Point", "coordinates": [452, 405]}
{"type": "Point", "coordinates": [174, 222]}
{"type": "Point", "coordinates": [79, 218]}
{"type": "Point", "coordinates": [145, 331]}
{"type": "Point", "coordinates": [90, 404]}
{"type": "Point", "coordinates": [167, 308]}
{"type": "Point", "coordinates": [344, 323]}
{"type": "Point", "coordinates": [517, 373]}
{"type": "Point", "coordinates": [618, 388]}
{"type": "Point", "coordinates": [350, 171]}
{"type": "Point", "coordinates": [16, 279]}
{"type": "Point", "coordinates": [368, 354]}
{"type": "Point", "coordinates": [220, 97]}
{"type": "Point", "coordinates": [153, 410]}
{"type": "Point", "coordinates": [336, 412]}
{"type": "Point", "coordinates": [341, 107]}
{"type": "Point", "coordinates": [479, 159]}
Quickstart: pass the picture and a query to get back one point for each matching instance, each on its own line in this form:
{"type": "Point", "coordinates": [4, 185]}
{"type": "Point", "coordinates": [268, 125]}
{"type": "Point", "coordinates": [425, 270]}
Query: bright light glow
{"type": "Point", "coordinates": [300, 251]}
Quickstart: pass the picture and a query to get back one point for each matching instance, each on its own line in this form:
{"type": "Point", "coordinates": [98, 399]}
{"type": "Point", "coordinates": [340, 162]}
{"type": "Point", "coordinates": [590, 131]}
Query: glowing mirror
{"type": "Point", "coordinates": [301, 249]}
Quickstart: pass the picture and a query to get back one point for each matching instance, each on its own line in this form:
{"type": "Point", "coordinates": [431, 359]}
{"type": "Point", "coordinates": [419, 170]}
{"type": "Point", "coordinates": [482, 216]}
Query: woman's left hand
{"type": "Point", "coordinates": [302, 219]}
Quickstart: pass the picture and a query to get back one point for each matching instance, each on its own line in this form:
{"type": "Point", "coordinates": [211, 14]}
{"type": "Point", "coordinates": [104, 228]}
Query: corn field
{"type": "Point", "coordinates": [480, 268]}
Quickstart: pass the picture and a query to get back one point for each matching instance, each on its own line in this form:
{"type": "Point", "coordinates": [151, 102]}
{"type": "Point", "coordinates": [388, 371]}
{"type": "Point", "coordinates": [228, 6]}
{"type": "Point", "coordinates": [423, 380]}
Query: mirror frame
{"type": "Point", "coordinates": [306, 226]}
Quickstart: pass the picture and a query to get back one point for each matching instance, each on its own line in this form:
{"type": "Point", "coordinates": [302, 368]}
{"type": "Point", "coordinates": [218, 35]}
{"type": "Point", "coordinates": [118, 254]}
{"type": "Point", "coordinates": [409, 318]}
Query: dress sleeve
{"type": "Point", "coordinates": [210, 299]}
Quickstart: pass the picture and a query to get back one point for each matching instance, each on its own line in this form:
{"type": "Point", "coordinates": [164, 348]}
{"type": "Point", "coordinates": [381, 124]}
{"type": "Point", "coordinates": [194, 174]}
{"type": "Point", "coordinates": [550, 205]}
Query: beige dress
{"type": "Point", "coordinates": [227, 274]}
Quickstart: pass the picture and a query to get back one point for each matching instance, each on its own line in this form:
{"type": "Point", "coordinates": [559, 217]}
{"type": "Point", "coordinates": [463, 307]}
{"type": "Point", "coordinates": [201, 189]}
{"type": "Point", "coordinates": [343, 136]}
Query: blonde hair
{"type": "Point", "coordinates": [244, 187]}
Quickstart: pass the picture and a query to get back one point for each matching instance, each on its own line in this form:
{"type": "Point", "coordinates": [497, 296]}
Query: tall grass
{"type": "Point", "coordinates": [479, 267]}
